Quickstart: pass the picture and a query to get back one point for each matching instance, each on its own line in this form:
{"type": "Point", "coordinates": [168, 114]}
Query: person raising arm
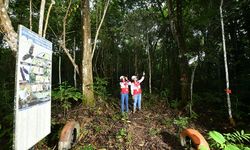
{"type": "Point", "coordinates": [136, 91]}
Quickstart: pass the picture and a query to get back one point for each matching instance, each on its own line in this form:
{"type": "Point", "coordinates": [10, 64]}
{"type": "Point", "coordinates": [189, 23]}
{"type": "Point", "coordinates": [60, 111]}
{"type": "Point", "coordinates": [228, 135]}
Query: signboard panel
{"type": "Point", "coordinates": [33, 89]}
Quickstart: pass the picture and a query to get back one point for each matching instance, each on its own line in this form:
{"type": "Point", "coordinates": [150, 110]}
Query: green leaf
{"type": "Point", "coordinates": [231, 147]}
{"type": "Point", "coordinates": [219, 138]}
{"type": "Point", "coordinates": [242, 132]}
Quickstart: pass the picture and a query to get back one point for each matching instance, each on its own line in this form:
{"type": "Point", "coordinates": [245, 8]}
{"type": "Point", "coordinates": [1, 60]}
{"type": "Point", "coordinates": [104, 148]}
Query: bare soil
{"type": "Point", "coordinates": [104, 127]}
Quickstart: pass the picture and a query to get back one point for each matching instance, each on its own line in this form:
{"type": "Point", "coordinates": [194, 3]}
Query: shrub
{"type": "Point", "coordinates": [65, 94]}
{"type": "Point", "coordinates": [230, 141]}
{"type": "Point", "coordinates": [100, 87]}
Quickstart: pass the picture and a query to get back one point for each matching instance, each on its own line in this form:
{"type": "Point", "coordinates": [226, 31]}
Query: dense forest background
{"type": "Point", "coordinates": [136, 36]}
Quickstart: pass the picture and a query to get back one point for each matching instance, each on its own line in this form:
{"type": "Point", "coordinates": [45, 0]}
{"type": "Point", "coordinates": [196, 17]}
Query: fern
{"type": "Point", "coordinates": [100, 87]}
{"type": "Point", "coordinates": [230, 141]}
{"type": "Point", "coordinates": [65, 94]}
{"type": "Point", "coordinates": [237, 137]}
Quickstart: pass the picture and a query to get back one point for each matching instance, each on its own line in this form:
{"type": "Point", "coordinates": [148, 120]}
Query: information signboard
{"type": "Point", "coordinates": [33, 89]}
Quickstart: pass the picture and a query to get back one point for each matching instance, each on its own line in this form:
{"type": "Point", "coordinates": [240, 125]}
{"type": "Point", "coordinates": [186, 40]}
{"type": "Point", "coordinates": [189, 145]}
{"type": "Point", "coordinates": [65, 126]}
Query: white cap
{"type": "Point", "coordinates": [121, 77]}
{"type": "Point", "coordinates": [133, 77]}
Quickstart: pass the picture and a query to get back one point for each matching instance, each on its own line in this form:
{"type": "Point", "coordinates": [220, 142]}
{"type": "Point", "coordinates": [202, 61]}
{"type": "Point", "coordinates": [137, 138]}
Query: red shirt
{"type": "Point", "coordinates": [136, 88]}
{"type": "Point", "coordinates": [124, 87]}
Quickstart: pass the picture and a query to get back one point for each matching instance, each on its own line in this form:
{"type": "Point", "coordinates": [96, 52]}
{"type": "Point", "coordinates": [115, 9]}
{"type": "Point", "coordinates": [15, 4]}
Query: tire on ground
{"type": "Point", "coordinates": [69, 135]}
{"type": "Point", "coordinates": [198, 141]}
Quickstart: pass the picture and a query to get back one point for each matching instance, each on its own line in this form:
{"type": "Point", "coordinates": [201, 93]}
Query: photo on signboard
{"type": "Point", "coordinates": [34, 75]}
{"type": "Point", "coordinates": [29, 55]}
{"type": "Point", "coordinates": [25, 94]}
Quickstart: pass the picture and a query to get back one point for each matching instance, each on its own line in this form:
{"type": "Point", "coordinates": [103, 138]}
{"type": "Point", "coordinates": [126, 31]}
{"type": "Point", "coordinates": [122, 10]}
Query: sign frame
{"type": "Point", "coordinates": [32, 103]}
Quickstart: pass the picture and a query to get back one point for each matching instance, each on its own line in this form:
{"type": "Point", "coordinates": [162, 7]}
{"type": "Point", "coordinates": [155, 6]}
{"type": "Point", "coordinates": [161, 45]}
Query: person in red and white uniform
{"type": "Point", "coordinates": [124, 84]}
{"type": "Point", "coordinates": [136, 91]}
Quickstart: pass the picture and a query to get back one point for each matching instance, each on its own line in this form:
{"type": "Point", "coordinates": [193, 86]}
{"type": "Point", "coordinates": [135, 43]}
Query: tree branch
{"type": "Point", "coordinates": [99, 27]}
{"type": "Point", "coordinates": [63, 43]}
{"type": "Point", "coordinates": [31, 15]}
{"type": "Point", "coordinates": [47, 18]}
{"type": "Point", "coordinates": [10, 36]}
{"type": "Point", "coordinates": [42, 7]}
{"type": "Point", "coordinates": [70, 58]}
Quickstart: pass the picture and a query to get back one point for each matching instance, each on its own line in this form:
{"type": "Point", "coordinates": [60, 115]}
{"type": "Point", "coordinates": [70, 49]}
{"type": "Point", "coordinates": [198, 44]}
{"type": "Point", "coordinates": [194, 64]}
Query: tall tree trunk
{"type": "Point", "coordinates": [176, 23]}
{"type": "Point", "coordinates": [135, 58]}
{"type": "Point", "coordinates": [63, 43]}
{"type": "Point", "coordinates": [174, 75]}
{"type": "Point", "coordinates": [74, 57]}
{"type": "Point", "coordinates": [99, 27]}
{"type": "Point", "coordinates": [135, 61]}
{"type": "Point", "coordinates": [47, 18]}
{"type": "Point", "coordinates": [149, 65]}
{"type": "Point", "coordinates": [163, 66]}
{"type": "Point", "coordinates": [226, 67]}
{"type": "Point", "coordinates": [102, 16]}
{"type": "Point", "coordinates": [31, 15]}
{"type": "Point", "coordinates": [42, 7]}
{"type": "Point", "coordinates": [149, 73]}
{"type": "Point", "coordinates": [87, 74]}
{"type": "Point", "coordinates": [191, 89]}
{"type": "Point", "coordinates": [59, 69]}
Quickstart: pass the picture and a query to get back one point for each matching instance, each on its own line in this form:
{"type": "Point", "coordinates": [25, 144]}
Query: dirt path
{"type": "Point", "coordinates": [104, 128]}
{"type": "Point", "coordinates": [146, 131]}
{"type": "Point", "coordinates": [133, 131]}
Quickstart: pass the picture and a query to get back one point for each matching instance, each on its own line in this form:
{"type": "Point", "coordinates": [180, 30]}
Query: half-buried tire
{"type": "Point", "coordinates": [198, 141]}
{"type": "Point", "coordinates": [69, 135]}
